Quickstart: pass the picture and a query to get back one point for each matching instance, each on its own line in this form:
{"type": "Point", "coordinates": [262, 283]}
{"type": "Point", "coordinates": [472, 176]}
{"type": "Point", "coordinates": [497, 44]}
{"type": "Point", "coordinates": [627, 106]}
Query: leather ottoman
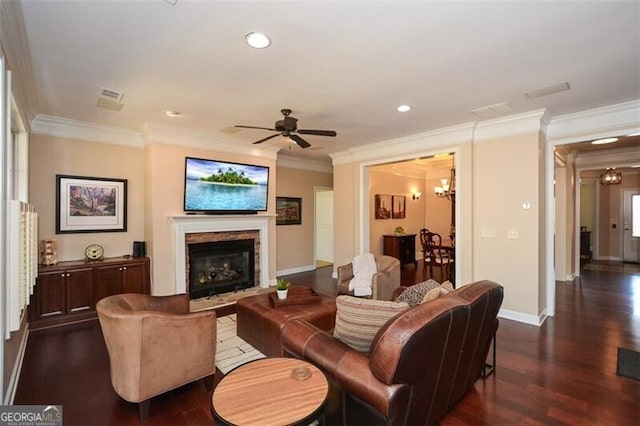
{"type": "Point", "coordinates": [259, 322]}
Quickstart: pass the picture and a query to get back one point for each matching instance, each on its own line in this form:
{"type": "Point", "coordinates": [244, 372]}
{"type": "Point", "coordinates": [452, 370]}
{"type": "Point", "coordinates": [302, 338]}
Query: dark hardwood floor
{"type": "Point", "coordinates": [561, 373]}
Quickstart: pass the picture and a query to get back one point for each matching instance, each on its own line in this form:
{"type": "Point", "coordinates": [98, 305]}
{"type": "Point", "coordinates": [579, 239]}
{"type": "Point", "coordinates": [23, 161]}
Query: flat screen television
{"type": "Point", "coordinates": [222, 187]}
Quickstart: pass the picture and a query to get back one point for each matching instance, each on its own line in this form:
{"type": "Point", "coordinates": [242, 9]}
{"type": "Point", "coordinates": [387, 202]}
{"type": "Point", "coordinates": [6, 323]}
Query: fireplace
{"type": "Point", "coordinates": [196, 229]}
{"type": "Point", "coordinates": [220, 267]}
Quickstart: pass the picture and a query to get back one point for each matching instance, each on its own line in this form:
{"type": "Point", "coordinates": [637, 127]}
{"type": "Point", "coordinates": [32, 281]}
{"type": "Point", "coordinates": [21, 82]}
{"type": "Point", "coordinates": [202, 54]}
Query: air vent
{"type": "Point", "coordinates": [110, 99]}
{"type": "Point", "coordinates": [547, 90]}
{"type": "Point", "coordinates": [492, 111]}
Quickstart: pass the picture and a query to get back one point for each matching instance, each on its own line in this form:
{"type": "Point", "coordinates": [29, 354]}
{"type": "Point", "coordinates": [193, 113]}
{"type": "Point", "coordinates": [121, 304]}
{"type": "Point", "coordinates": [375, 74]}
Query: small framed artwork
{"type": "Point", "coordinates": [399, 207]}
{"type": "Point", "coordinates": [90, 204]}
{"type": "Point", "coordinates": [288, 211]}
{"type": "Point", "coordinates": [383, 206]}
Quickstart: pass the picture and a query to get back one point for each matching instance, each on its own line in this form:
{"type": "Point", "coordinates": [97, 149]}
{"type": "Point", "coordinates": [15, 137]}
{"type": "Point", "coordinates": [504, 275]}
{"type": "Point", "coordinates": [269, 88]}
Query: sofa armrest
{"type": "Point", "coordinates": [347, 367]}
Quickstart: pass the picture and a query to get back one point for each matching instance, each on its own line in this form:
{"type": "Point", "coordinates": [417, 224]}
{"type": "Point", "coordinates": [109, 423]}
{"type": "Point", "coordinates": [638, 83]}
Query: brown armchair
{"type": "Point", "coordinates": [384, 282]}
{"type": "Point", "coordinates": [155, 344]}
{"type": "Point", "coordinates": [421, 362]}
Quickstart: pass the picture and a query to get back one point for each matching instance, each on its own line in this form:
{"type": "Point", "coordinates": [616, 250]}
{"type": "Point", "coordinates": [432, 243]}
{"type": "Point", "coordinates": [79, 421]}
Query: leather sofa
{"type": "Point", "coordinates": [421, 362]}
{"type": "Point", "coordinates": [155, 344]}
{"type": "Point", "coordinates": [384, 282]}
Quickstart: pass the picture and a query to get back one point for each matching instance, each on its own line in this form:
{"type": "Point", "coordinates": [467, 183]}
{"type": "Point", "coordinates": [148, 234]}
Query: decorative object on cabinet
{"type": "Point", "coordinates": [94, 252]}
{"type": "Point", "coordinates": [399, 230]}
{"type": "Point", "coordinates": [401, 247]}
{"type": "Point", "coordinates": [288, 211]}
{"type": "Point", "coordinates": [399, 207]}
{"type": "Point", "coordinates": [68, 292]}
{"type": "Point", "coordinates": [90, 204]}
{"type": "Point", "coordinates": [49, 252]}
{"type": "Point", "coordinates": [383, 206]}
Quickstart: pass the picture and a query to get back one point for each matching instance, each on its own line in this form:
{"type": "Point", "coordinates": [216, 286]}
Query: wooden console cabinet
{"type": "Point", "coordinates": [68, 292]}
{"type": "Point", "coordinates": [402, 247]}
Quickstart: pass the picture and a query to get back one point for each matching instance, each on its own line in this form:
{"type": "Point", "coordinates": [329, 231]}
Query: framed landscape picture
{"type": "Point", "coordinates": [399, 207]}
{"type": "Point", "coordinates": [90, 204]}
{"type": "Point", "coordinates": [382, 206]}
{"type": "Point", "coordinates": [288, 211]}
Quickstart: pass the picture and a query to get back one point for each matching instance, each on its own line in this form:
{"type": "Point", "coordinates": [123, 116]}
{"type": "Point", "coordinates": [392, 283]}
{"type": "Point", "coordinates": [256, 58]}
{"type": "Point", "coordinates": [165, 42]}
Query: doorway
{"type": "Point", "coordinates": [323, 227]}
{"type": "Point", "coordinates": [631, 226]}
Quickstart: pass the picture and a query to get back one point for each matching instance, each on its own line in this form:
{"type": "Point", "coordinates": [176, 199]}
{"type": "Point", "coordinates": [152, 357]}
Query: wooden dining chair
{"type": "Point", "coordinates": [434, 254]}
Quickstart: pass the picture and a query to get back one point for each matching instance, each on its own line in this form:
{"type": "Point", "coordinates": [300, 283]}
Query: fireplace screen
{"type": "Point", "coordinates": [220, 267]}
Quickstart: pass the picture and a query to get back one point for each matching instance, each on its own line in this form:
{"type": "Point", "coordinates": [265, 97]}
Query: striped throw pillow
{"type": "Point", "coordinates": [358, 320]}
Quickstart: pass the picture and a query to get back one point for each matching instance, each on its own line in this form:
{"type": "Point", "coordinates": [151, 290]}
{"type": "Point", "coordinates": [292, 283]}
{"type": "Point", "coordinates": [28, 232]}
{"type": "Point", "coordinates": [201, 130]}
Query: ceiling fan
{"type": "Point", "coordinates": [288, 127]}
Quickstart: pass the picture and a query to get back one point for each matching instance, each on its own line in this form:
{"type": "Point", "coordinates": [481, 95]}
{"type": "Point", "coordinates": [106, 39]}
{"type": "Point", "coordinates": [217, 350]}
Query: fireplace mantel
{"type": "Point", "coordinates": [184, 224]}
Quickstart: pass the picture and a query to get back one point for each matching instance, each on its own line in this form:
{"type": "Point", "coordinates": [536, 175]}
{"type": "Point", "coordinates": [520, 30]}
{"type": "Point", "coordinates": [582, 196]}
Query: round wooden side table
{"type": "Point", "coordinates": [270, 391]}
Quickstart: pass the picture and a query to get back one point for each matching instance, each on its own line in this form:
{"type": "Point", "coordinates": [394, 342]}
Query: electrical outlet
{"type": "Point", "coordinates": [513, 234]}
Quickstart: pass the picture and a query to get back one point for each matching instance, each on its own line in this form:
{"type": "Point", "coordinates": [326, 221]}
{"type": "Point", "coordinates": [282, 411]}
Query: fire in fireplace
{"type": "Point", "coordinates": [220, 267]}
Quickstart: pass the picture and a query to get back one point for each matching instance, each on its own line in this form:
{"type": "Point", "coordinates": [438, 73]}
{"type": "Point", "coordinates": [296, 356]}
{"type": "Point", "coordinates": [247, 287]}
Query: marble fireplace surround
{"type": "Point", "coordinates": [183, 225]}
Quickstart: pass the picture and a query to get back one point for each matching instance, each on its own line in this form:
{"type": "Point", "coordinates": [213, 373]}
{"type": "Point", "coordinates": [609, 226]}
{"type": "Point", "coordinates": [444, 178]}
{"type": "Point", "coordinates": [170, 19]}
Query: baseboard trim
{"type": "Point", "coordinates": [17, 368]}
{"type": "Point", "coordinates": [524, 318]}
{"type": "Point", "coordinates": [306, 268]}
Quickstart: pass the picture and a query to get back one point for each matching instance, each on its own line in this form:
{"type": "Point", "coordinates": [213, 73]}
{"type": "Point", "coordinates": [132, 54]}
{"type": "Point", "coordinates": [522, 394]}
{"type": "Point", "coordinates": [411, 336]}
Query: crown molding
{"type": "Point", "coordinates": [512, 125]}
{"type": "Point", "coordinates": [291, 162]}
{"type": "Point", "coordinates": [13, 40]}
{"type": "Point", "coordinates": [407, 145]}
{"type": "Point", "coordinates": [597, 123]}
{"type": "Point", "coordinates": [73, 129]}
{"type": "Point", "coordinates": [169, 135]}
{"type": "Point", "coordinates": [614, 158]}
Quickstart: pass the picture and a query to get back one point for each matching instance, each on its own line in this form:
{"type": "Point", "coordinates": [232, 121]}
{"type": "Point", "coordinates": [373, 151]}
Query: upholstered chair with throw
{"type": "Point", "coordinates": [155, 344]}
{"type": "Point", "coordinates": [383, 283]}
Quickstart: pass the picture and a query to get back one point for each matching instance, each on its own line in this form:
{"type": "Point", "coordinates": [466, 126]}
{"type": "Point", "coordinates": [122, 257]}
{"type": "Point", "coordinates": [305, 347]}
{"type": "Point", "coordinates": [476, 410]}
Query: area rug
{"type": "Point", "coordinates": [628, 363]}
{"type": "Point", "coordinates": [231, 350]}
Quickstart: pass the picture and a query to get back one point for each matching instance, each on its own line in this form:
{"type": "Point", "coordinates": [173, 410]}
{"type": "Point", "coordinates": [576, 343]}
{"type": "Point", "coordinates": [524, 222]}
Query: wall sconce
{"type": "Point", "coordinates": [416, 195]}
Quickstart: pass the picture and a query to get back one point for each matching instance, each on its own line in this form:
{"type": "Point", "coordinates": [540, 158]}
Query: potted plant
{"type": "Point", "coordinates": [282, 287]}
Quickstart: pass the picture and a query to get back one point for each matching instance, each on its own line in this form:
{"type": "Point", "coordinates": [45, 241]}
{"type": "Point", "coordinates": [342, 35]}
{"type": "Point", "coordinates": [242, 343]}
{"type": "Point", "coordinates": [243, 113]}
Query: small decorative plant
{"type": "Point", "coordinates": [399, 230]}
{"type": "Point", "coordinates": [282, 284]}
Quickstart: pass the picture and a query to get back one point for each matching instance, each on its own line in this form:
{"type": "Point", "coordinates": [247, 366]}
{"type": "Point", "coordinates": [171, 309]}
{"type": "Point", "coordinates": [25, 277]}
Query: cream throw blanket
{"type": "Point", "coordinates": [364, 267]}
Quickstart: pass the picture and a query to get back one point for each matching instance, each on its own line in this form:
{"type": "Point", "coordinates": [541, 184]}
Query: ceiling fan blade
{"type": "Point", "coordinates": [267, 138]}
{"type": "Point", "coordinates": [259, 128]}
{"type": "Point", "coordinates": [301, 142]}
{"type": "Point", "coordinates": [317, 132]}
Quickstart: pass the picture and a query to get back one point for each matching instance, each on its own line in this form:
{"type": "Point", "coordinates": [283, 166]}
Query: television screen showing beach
{"type": "Point", "coordinates": [215, 185]}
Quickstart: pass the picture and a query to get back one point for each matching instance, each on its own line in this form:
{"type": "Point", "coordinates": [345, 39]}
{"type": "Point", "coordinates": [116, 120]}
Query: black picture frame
{"type": "Point", "coordinates": [382, 207]}
{"type": "Point", "coordinates": [288, 211]}
{"type": "Point", "coordinates": [90, 204]}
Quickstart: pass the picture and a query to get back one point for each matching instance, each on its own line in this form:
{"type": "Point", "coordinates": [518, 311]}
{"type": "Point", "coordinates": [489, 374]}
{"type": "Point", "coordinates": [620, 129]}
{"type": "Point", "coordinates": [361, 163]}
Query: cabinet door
{"type": "Point", "coordinates": [79, 290]}
{"type": "Point", "coordinates": [133, 278]}
{"type": "Point", "coordinates": [49, 293]}
{"type": "Point", "coordinates": [108, 281]}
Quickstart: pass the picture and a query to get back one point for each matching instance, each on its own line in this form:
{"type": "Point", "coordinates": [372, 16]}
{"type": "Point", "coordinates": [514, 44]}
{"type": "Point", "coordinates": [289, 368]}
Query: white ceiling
{"type": "Point", "coordinates": [338, 65]}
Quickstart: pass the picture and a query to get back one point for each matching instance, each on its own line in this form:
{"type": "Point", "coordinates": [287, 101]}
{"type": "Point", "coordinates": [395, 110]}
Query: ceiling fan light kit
{"type": "Point", "coordinates": [610, 177]}
{"type": "Point", "coordinates": [288, 127]}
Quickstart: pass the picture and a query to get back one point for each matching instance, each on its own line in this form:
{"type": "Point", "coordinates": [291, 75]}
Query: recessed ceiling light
{"type": "Point", "coordinates": [635, 166]}
{"type": "Point", "coordinates": [604, 141]}
{"type": "Point", "coordinates": [257, 40]}
{"type": "Point", "coordinates": [173, 113]}
{"type": "Point", "coordinates": [403, 108]}
{"type": "Point", "coordinates": [634, 134]}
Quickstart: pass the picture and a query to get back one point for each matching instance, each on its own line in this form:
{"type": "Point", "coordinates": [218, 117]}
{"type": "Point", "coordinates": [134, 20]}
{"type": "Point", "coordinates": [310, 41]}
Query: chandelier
{"type": "Point", "coordinates": [448, 186]}
{"type": "Point", "coordinates": [610, 177]}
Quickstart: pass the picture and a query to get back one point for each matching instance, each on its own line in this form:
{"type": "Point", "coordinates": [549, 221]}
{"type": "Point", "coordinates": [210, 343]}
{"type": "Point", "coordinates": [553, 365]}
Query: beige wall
{"type": "Point", "coordinates": [50, 155]}
{"type": "Point", "coordinates": [166, 181]}
{"type": "Point", "coordinates": [346, 203]}
{"type": "Point", "coordinates": [505, 175]}
{"type": "Point", "coordinates": [294, 243]}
